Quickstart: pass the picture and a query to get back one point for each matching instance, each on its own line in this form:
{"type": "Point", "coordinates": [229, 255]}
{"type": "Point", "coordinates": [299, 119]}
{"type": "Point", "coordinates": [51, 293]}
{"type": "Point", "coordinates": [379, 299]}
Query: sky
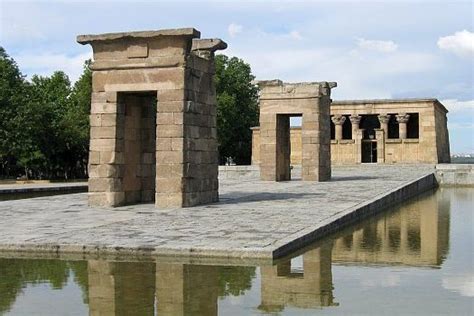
{"type": "Point", "coordinates": [372, 49]}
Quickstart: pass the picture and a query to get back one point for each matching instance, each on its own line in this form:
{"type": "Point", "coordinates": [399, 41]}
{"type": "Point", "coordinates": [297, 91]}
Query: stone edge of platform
{"type": "Point", "coordinates": [354, 214]}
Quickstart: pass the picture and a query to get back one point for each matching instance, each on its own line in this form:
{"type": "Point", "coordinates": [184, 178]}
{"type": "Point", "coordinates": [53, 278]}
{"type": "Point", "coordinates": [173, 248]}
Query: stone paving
{"type": "Point", "coordinates": [252, 219]}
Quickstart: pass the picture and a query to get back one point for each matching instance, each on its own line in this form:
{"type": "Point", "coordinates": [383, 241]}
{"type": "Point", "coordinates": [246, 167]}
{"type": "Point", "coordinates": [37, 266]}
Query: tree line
{"type": "Point", "coordinates": [44, 121]}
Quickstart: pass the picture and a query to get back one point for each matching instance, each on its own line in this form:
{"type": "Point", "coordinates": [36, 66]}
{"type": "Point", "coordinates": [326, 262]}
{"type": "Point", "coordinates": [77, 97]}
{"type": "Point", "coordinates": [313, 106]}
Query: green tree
{"type": "Point", "coordinates": [75, 124]}
{"type": "Point", "coordinates": [13, 93]}
{"type": "Point", "coordinates": [44, 130]}
{"type": "Point", "coordinates": [49, 103]}
{"type": "Point", "coordinates": [235, 280]}
{"type": "Point", "coordinates": [237, 109]}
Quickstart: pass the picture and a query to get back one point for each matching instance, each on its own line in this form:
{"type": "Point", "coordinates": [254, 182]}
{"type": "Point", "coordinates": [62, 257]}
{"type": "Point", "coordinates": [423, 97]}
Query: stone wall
{"type": "Point", "coordinates": [295, 144]}
{"type": "Point", "coordinates": [455, 175]}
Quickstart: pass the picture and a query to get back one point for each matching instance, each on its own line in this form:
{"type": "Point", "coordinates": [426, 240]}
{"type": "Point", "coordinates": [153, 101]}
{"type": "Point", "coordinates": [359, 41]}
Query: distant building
{"type": "Point", "coordinates": [380, 131]}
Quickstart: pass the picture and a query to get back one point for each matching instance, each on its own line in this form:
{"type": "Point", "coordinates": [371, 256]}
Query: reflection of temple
{"type": "Point", "coordinates": [307, 289]}
{"type": "Point", "coordinates": [186, 289]}
{"type": "Point", "coordinates": [123, 288]}
{"type": "Point", "coordinates": [417, 234]}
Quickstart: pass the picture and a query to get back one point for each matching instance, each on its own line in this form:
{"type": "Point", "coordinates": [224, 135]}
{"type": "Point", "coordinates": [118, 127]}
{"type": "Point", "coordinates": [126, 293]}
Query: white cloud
{"type": "Point", "coordinates": [460, 43]}
{"type": "Point", "coordinates": [359, 74]}
{"type": "Point", "coordinates": [45, 64]}
{"type": "Point", "coordinates": [375, 45]}
{"type": "Point", "coordinates": [452, 126]}
{"type": "Point", "coordinates": [464, 285]}
{"type": "Point", "coordinates": [295, 35]}
{"type": "Point", "coordinates": [234, 29]}
{"type": "Point", "coordinates": [381, 281]}
{"type": "Point", "coordinates": [454, 105]}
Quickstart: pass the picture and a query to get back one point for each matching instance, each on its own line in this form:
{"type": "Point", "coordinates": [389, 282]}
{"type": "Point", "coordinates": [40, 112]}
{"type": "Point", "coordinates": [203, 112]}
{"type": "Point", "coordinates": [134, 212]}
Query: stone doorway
{"type": "Point", "coordinates": [285, 169]}
{"type": "Point", "coordinates": [139, 143]}
{"type": "Point", "coordinates": [369, 123]}
{"type": "Point", "coordinates": [369, 151]}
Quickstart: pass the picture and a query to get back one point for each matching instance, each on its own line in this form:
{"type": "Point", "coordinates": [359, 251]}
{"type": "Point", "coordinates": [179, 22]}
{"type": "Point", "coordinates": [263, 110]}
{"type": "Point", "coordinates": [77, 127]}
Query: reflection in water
{"type": "Point", "coordinates": [15, 274]}
{"type": "Point", "coordinates": [416, 234]}
{"type": "Point", "coordinates": [310, 288]}
{"type": "Point", "coordinates": [121, 288]}
{"type": "Point", "coordinates": [186, 289]}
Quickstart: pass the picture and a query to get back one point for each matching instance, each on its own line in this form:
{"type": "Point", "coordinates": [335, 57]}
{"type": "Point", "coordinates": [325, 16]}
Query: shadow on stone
{"type": "Point", "coordinates": [353, 178]}
{"type": "Point", "coordinates": [263, 196]}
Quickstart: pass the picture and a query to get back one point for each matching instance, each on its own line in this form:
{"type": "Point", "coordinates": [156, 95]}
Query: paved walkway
{"type": "Point", "coordinates": [253, 218]}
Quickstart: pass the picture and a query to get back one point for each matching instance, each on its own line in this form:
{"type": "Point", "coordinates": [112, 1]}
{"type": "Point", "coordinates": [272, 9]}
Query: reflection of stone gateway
{"type": "Point", "coordinates": [308, 289]}
{"type": "Point", "coordinates": [417, 234]}
{"type": "Point", "coordinates": [130, 72]}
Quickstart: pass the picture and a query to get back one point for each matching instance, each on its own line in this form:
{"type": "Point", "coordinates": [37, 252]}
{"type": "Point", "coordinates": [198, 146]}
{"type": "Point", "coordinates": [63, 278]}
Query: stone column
{"type": "Point", "coordinates": [380, 136]}
{"type": "Point", "coordinates": [402, 120]}
{"type": "Point", "coordinates": [338, 120]}
{"type": "Point", "coordinates": [383, 119]}
{"type": "Point", "coordinates": [358, 145]}
{"type": "Point", "coordinates": [355, 120]}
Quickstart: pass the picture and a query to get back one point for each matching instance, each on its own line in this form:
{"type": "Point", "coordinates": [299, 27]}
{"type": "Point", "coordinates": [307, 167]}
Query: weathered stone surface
{"type": "Point", "coordinates": [88, 39]}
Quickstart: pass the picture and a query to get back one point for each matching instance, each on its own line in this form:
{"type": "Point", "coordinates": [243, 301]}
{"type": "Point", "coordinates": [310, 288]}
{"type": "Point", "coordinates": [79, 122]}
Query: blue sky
{"type": "Point", "coordinates": [373, 49]}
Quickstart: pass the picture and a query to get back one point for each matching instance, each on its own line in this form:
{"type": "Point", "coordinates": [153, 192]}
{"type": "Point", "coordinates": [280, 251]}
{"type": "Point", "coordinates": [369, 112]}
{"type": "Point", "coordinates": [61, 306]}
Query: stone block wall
{"type": "Point", "coordinates": [442, 135]}
{"type": "Point", "coordinates": [295, 145]}
{"type": "Point", "coordinates": [200, 134]}
{"type": "Point", "coordinates": [461, 175]}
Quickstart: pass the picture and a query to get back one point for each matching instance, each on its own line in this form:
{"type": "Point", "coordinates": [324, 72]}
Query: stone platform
{"type": "Point", "coordinates": [253, 219]}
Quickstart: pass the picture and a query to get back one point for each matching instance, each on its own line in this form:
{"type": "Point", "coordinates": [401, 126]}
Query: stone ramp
{"type": "Point", "coordinates": [253, 219]}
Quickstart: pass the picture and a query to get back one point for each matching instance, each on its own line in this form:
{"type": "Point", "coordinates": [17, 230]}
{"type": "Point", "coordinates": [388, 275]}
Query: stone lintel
{"type": "Point", "coordinates": [160, 62]}
{"type": "Point", "coordinates": [277, 89]}
{"type": "Point", "coordinates": [208, 44]}
{"type": "Point", "coordinates": [186, 32]}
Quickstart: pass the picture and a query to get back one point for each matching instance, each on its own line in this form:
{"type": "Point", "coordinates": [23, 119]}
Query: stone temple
{"type": "Point", "coordinates": [153, 118]}
{"type": "Point", "coordinates": [377, 131]}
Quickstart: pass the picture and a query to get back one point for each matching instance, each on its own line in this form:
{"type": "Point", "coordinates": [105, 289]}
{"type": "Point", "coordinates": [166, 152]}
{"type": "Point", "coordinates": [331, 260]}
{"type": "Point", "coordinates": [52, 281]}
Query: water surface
{"type": "Point", "coordinates": [414, 260]}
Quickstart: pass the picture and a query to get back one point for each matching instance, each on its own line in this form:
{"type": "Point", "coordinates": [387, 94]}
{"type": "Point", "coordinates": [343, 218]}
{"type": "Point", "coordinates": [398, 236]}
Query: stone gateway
{"type": "Point", "coordinates": [153, 118]}
{"type": "Point", "coordinates": [278, 102]}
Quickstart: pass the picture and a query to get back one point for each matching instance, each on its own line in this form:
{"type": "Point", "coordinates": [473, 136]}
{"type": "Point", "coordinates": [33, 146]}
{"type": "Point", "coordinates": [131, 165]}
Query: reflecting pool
{"type": "Point", "coordinates": [416, 259]}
